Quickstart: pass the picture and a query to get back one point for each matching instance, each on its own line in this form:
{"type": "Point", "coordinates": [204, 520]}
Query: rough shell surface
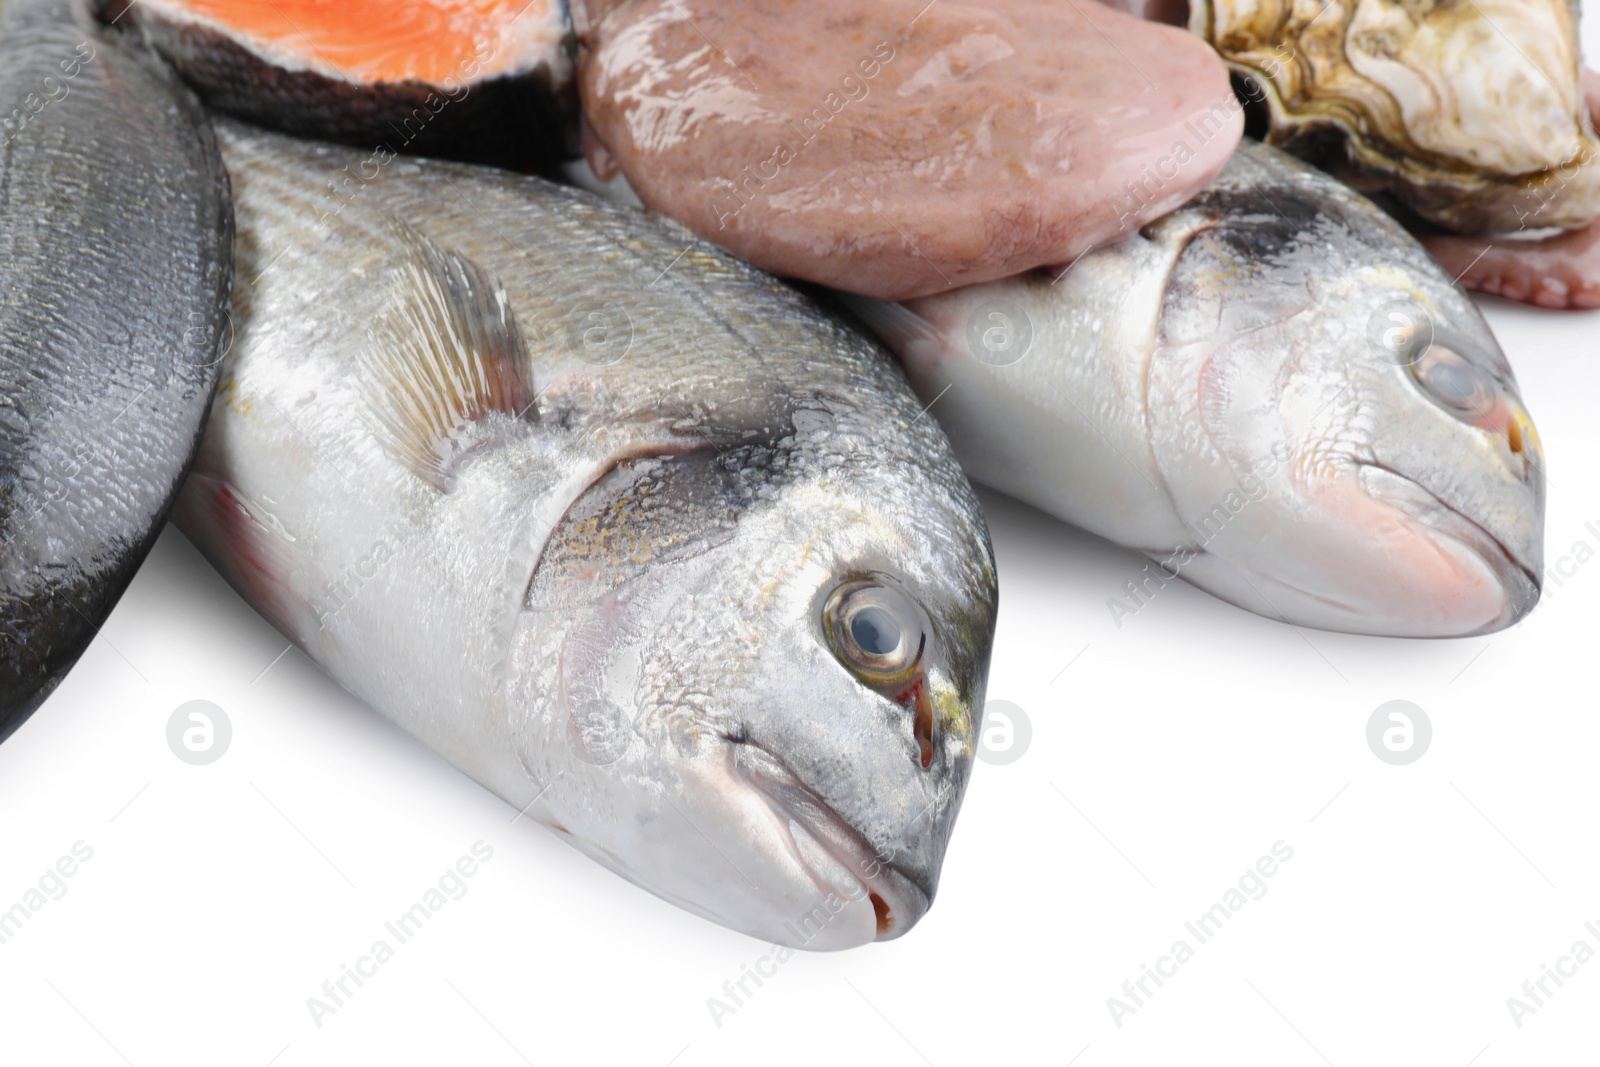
{"type": "Point", "coordinates": [1470, 113]}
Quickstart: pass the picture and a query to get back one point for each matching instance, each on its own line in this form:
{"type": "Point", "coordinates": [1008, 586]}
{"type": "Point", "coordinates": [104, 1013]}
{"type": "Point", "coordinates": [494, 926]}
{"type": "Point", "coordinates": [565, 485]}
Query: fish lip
{"type": "Point", "coordinates": [898, 901]}
{"type": "Point", "coordinates": [1522, 583]}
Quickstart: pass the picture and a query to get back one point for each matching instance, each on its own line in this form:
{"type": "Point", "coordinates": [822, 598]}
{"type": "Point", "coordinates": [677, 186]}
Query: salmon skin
{"type": "Point", "coordinates": [485, 81]}
{"type": "Point", "coordinates": [115, 265]}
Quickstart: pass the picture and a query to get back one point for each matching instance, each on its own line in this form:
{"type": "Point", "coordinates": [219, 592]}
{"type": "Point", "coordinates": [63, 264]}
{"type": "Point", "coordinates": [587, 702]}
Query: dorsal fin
{"type": "Point", "coordinates": [446, 354]}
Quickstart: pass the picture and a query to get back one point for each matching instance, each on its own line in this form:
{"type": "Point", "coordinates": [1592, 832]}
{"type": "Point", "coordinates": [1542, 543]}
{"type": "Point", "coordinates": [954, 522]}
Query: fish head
{"type": "Point", "coordinates": [1340, 431]}
{"type": "Point", "coordinates": [771, 722]}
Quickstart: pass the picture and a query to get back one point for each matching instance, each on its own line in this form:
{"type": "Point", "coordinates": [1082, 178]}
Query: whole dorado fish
{"type": "Point", "coordinates": [115, 260]}
{"type": "Point", "coordinates": [629, 532]}
{"type": "Point", "coordinates": [1273, 391]}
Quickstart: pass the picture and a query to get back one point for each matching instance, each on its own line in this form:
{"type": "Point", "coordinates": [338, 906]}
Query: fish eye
{"type": "Point", "coordinates": [1462, 388]}
{"type": "Point", "coordinates": [875, 630]}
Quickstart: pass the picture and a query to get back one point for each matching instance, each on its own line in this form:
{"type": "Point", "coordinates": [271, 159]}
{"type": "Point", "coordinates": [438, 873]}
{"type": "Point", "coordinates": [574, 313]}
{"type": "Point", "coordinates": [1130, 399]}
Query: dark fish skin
{"type": "Point", "coordinates": [115, 264]}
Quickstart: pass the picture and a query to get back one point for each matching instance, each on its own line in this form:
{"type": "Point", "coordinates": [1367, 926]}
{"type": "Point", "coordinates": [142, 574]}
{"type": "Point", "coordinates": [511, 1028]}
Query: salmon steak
{"type": "Point", "coordinates": [481, 80]}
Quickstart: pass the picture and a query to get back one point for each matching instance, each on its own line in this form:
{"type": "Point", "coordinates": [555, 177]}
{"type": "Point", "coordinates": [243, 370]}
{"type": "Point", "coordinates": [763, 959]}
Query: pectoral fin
{"type": "Point", "coordinates": [447, 354]}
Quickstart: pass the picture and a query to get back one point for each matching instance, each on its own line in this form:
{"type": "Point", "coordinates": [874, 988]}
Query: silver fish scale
{"type": "Point", "coordinates": [612, 599]}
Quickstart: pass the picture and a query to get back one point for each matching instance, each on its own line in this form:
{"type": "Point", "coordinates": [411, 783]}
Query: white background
{"type": "Point", "coordinates": [1168, 757]}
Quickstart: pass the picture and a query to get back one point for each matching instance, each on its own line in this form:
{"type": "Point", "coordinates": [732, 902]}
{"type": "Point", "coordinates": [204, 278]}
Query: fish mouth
{"type": "Point", "coordinates": [897, 900]}
{"type": "Point", "coordinates": [1520, 582]}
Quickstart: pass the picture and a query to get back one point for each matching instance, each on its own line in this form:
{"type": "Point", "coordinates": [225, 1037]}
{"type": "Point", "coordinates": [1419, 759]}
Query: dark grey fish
{"type": "Point", "coordinates": [115, 263]}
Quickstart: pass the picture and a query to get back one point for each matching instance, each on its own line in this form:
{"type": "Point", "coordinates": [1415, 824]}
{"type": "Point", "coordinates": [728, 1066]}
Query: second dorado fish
{"type": "Point", "coordinates": [1273, 391]}
{"type": "Point", "coordinates": [631, 533]}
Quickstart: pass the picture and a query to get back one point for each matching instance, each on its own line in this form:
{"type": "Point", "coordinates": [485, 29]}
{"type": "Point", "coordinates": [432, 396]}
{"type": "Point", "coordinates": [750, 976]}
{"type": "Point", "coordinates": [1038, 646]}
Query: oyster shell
{"type": "Point", "coordinates": [1470, 112]}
